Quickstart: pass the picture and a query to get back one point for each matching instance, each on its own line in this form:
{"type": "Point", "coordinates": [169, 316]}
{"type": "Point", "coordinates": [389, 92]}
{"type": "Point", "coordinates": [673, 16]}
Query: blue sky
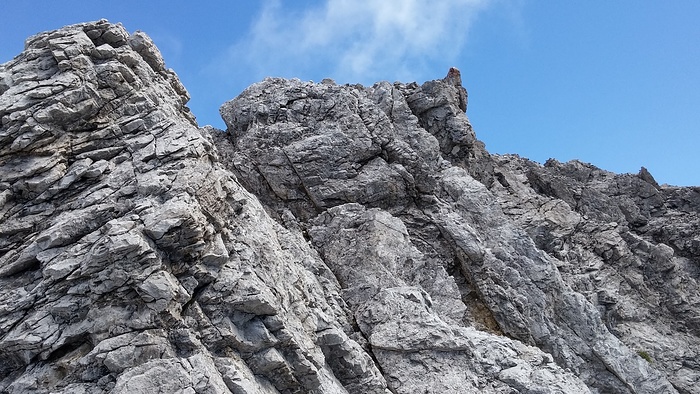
{"type": "Point", "coordinates": [613, 83]}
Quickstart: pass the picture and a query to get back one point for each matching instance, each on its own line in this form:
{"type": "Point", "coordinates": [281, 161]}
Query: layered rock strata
{"type": "Point", "coordinates": [336, 239]}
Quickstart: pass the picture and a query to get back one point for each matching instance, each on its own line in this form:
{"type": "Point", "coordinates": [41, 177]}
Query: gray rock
{"type": "Point", "coordinates": [623, 242]}
{"type": "Point", "coordinates": [335, 239]}
{"type": "Point", "coordinates": [293, 147]}
{"type": "Point", "coordinates": [131, 259]}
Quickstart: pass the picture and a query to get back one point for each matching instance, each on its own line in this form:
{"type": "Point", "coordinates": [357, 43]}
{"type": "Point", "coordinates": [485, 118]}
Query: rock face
{"type": "Point", "coordinates": [336, 239]}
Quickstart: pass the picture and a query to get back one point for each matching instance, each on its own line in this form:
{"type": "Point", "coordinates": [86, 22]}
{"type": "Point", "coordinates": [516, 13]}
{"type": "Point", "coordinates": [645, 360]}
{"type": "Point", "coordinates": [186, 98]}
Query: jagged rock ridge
{"type": "Point", "coordinates": [337, 239]}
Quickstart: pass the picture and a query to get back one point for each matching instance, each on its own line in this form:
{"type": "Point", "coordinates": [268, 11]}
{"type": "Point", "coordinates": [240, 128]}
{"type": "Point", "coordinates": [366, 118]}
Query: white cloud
{"type": "Point", "coordinates": [354, 40]}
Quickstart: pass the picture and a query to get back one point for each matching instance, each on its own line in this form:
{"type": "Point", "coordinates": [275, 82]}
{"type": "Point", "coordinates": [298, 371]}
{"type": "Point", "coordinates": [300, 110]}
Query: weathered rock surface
{"type": "Point", "coordinates": [625, 243]}
{"type": "Point", "coordinates": [337, 239]}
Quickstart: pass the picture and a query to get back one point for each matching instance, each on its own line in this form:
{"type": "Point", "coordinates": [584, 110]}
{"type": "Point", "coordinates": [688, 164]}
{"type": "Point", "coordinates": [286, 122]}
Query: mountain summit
{"type": "Point", "coordinates": [334, 239]}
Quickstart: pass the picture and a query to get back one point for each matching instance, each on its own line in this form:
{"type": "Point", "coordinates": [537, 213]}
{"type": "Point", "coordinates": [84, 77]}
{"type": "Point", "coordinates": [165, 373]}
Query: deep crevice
{"type": "Point", "coordinates": [69, 347]}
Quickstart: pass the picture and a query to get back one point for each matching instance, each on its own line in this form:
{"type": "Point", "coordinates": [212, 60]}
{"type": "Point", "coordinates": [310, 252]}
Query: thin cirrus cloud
{"type": "Point", "coordinates": [353, 40]}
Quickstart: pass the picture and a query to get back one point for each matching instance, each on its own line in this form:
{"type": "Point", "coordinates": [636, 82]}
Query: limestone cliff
{"type": "Point", "coordinates": [335, 239]}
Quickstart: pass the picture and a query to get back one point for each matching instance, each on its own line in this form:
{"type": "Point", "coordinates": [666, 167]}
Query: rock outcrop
{"type": "Point", "coordinates": [335, 239]}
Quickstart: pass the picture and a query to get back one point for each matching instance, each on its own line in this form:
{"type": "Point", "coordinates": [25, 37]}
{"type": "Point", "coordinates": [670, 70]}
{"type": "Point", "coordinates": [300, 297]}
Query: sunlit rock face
{"type": "Point", "coordinates": [334, 239]}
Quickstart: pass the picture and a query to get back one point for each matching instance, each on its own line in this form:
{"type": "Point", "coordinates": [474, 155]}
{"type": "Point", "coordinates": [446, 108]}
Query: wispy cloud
{"type": "Point", "coordinates": [353, 40]}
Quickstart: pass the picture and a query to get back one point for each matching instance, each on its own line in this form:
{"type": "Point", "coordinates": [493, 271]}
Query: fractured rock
{"type": "Point", "coordinates": [335, 239]}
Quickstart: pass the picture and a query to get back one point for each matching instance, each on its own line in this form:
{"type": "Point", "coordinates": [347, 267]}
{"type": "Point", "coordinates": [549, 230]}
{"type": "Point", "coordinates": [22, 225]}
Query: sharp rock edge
{"type": "Point", "coordinates": [336, 239]}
